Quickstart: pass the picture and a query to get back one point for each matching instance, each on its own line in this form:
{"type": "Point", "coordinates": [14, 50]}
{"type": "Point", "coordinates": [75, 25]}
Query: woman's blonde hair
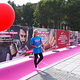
{"type": "Point", "coordinates": [35, 30]}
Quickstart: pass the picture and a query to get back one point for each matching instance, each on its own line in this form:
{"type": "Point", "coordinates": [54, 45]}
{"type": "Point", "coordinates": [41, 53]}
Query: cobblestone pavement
{"type": "Point", "coordinates": [66, 70]}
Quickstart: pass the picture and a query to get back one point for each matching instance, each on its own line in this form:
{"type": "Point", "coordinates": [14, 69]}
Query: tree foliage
{"type": "Point", "coordinates": [49, 14]}
{"type": "Point", "coordinates": [58, 13]}
{"type": "Point", "coordinates": [28, 11]}
{"type": "Point", "coordinates": [73, 14]}
{"type": "Point", "coordinates": [23, 14]}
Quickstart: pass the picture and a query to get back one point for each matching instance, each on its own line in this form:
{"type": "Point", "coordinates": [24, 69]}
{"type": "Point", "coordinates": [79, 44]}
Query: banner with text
{"type": "Point", "coordinates": [62, 38]}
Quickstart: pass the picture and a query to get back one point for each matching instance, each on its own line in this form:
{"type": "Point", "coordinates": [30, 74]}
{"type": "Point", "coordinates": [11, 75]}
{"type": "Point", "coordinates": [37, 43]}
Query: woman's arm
{"type": "Point", "coordinates": [34, 46]}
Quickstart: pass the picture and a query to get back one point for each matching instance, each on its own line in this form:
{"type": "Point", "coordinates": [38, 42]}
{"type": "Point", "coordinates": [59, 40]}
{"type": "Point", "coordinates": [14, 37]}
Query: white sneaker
{"type": "Point", "coordinates": [37, 69]}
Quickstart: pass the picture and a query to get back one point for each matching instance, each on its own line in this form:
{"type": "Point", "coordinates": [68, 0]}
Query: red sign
{"type": "Point", "coordinates": [62, 38]}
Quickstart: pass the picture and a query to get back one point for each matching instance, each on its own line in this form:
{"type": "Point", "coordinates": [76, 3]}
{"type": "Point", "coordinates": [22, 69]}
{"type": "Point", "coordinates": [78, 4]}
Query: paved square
{"type": "Point", "coordinates": [66, 70]}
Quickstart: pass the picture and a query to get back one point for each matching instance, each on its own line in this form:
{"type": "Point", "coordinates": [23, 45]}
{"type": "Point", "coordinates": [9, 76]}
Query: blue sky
{"type": "Point", "coordinates": [20, 2]}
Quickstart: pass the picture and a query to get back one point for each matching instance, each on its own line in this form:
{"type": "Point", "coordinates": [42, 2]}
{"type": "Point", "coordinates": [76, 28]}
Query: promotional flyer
{"type": "Point", "coordinates": [48, 37]}
{"type": "Point", "coordinates": [15, 42]}
{"type": "Point", "coordinates": [62, 38]}
{"type": "Point", "coordinates": [73, 37]}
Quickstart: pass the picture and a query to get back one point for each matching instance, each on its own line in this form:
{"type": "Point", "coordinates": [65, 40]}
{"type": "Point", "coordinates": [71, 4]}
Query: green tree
{"type": "Point", "coordinates": [50, 13]}
{"type": "Point", "coordinates": [73, 14]}
{"type": "Point", "coordinates": [17, 11]}
{"type": "Point", "coordinates": [27, 15]}
{"type": "Point", "coordinates": [23, 14]}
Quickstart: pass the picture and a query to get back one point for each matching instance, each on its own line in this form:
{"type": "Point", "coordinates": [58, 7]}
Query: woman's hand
{"type": "Point", "coordinates": [36, 47]}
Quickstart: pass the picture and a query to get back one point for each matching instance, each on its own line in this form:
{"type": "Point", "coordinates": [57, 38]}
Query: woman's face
{"type": "Point", "coordinates": [35, 33]}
